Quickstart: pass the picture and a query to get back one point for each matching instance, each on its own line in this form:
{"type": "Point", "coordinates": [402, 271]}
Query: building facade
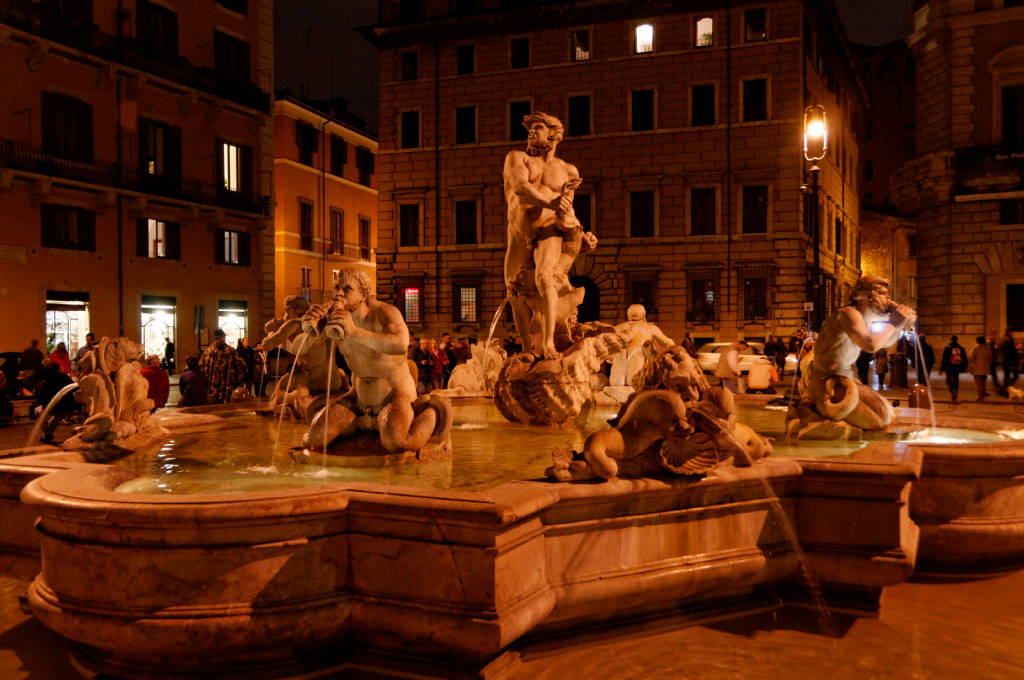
{"type": "Point", "coordinates": [964, 186]}
{"type": "Point", "coordinates": [326, 195]}
{"type": "Point", "coordinates": [135, 170]}
{"type": "Point", "coordinates": [685, 124]}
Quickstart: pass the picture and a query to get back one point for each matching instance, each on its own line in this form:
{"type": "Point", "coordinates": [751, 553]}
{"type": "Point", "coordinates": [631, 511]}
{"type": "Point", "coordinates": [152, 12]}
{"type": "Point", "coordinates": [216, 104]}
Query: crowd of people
{"type": "Point", "coordinates": [435, 359]}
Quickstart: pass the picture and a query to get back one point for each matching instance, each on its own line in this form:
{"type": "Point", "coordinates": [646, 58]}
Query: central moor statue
{"type": "Point", "coordinates": [835, 405]}
{"type": "Point", "coordinates": [544, 238]}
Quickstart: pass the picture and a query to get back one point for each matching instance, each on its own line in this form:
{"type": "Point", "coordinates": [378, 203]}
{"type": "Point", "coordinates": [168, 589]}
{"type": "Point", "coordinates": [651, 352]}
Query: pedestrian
{"type": "Point", "coordinates": [223, 368]}
{"type": "Point", "coordinates": [689, 345]}
{"type": "Point", "coordinates": [424, 365]}
{"type": "Point", "coordinates": [925, 361]}
{"type": "Point", "coordinates": [863, 364]}
{"type": "Point", "coordinates": [979, 363]}
{"type": "Point", "coordinates": [881, 366]}
{"type": "Point", "coordinates": [729, 365]}
{"type": "Point", "coordinates": [62, 358]}
{"type": "Point", "coordinates": [246, 353]}
{"type": "Point", "coordinates": [448, 347]}
{"type": "Point", "coordinates": [90, 343]}
{"type": "Point", "coordinates": [169, 356]}
{"type": "Point", "coordinates": [438, 362]}
{"type": "Point", "coordinates": [30, 365]}
{"type": "Point", "coordinates": [762, 377]}
{"type": "Point", "coordinates": [1009, 358]}
{"type": "Point", "coordinates": [52, 381]}
{"type": "Point", "coordinates": [159, 383]}
{"type": "Point", "coordinates": [192, 384]}
{"type": "Point", "coordinates": [954, 362]}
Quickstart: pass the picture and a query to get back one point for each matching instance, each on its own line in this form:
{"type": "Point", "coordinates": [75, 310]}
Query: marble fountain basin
{"type": "Point", "coordinates": [255, 579]}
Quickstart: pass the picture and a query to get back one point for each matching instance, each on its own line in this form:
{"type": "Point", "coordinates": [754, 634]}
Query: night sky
{"type": "Point", "coordinates": [319, 55]}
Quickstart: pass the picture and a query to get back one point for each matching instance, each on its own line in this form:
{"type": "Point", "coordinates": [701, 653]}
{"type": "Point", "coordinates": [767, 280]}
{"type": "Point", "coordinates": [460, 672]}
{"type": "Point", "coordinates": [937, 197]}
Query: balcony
{"type": "Point", "coordinates": [32, 18]}
{"type": "Point", "coordinates": [350, 251]}
{"type": "Point", "coordinates": [29, 158]}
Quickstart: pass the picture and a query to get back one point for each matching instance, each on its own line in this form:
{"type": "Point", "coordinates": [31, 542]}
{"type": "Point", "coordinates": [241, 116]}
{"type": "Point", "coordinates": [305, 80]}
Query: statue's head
{"type": "Point", "coordinates": [295, 306]}
{"type": "Point", "coordinates": [636, 312]}
{"type": "Point", "coordinates": [545, 131]}
{"type": "Point", "coordinates": [873, 290]}
{"type": "Point", "coordinates": [351, 287]}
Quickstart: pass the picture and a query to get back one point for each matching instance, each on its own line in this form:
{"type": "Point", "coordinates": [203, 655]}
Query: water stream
{"type": "Point", "coordinates": [490, 334]}
{"type": "Point", "coordinates": [33, 437]}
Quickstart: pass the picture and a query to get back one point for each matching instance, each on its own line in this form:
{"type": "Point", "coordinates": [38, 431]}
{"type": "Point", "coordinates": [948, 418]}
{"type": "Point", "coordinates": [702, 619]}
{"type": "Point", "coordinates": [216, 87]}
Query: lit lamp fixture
{"type": "Point", "coordinates": [815, 147]}
{"type": "Point", "coordinates": [815, 133]}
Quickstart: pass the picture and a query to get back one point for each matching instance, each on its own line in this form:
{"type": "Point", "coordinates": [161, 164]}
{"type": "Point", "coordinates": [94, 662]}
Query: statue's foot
{"type": "Point", "coordinates": [549, 352]}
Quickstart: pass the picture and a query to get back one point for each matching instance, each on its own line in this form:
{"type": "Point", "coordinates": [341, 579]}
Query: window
{"type": "Point", "coordinates": [364, 164]}
{"type": "Point", "coordinates": [519, 53]}
{"type": "Point", "coordinates": [307, 139]}
{"type": "Point", "coordinates": [581, 206]}
{"type": "Point", "coordinates": [410, 65]}
{"type": "Point", "coordinates": [156, 29]}
{"type": "Point", "coordinates": [158, 239]}
{"type": "Point", "coordinates": [230, 58]}
{"type": "Point", "coordinates": [755, 298]}
{"type": "Point", "coordinates": [579, 45]}
{"type": "Point", "coordinates": [642, 289]}
{"type": "Point", "coordinates": [704, 32]}
{"type": "Point", "coordinates": [465, 60]}
{"type": "Point", "coordinates": [702, 105]}
{"type": "Point", "coordinates": [364, 238]}
{"type": "Point", "coordinates": [337, 231]}
{"type": "Point", "coordinates": [159, 151]}
{"type": "Point", "coordinates": [339, 155]}
{"type": "Point", "coordinates": [466, 6]}
{"type": "Point", "coordinates": [912, 286]}
{"type": "Point", "coordinates": [1013, 114]}
{"type": "Point", "coordinates": [410, 129]}
{"type": "Point", "coordinates": [755, 25]}
{"type": "Point", "coordinates": [516, 112]}
{"type": "Point", "coordinates": [703, 221]}
{"type": "Point", "coordinates": [412, 304]}
{"type": "Point", "coordinates": [466, 299]}
{"type": "Point", "coordinates": [409, 224]}
{"type": "Point", "coordinates": [235, 169]}
{"type": "Point", "coordinates": [643, 39]}
{"type": "Point", "coordinates": [465, 222]}
{"type": "Point", "coordinates": [409, 10]}
{"type": "Point", "coordinates": [702, 298]}
{"type": "Point", "coordinates": [67, 127]}
{"type": "Point", "coordinates": [579, 115]}
{"type": "Point", "coordinates": [305, 225]}
{"type": "Point", "coordinates": [755, 209]}
{"type": "Point", "coordinates": [755, 100]}
{"type": "Point", "coordinates": [1010, 212]}
{"type": "Point", "coordinates": [643, 110]}
{"type": "Point", "coordinates": [641, 214]}
{"type": "Point", "coordinates": [240, 6]}
{"type": "Point", "coordinates": [911, 245]}
{"type": "Point", "coordinates": [68, 227]}
{"type": "Point", "coordinates": [465, 125]}
{"type": "Point", "coordinates": [231, 247]}
{"type": "Point", "coordinates": [839, 236]}
{"type": "Point", "coordinates": [869, 170]}
{"type": "Point", "coordinates": [306, 283]}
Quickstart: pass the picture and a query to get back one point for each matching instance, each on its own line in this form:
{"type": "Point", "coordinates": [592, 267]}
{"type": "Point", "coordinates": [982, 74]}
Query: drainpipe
{"type": "Point", "coordinates": [727, 198]}
{"type": "Point", "coordinates": [323, 207]}
{"type": "Point", "coordinates": [437, 176]}
{"type": "Point", "coordinates": [120, 199]}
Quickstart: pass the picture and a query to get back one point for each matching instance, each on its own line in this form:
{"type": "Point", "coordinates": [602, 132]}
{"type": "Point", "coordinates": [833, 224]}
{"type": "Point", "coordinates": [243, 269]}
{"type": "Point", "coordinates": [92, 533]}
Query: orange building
{"type": "Point", "coordinates": [135, 168]}
{"type": "Point", "coordinates": [326, 195]}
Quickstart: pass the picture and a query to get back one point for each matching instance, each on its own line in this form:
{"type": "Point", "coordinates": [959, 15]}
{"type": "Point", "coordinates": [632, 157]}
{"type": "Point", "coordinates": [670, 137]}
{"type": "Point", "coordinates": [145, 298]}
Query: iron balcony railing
{"type": "Point", "coordinates": [350, 250]}
{"type": "Point", "coordinates": [30, 158]}
{"type": "Point", "coordinates": [32, 17]}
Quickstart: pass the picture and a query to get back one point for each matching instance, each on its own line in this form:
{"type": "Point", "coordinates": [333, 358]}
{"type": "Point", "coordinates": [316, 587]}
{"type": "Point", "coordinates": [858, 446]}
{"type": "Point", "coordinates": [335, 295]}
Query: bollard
{"type": "Point", "coordinates": [918, 397]}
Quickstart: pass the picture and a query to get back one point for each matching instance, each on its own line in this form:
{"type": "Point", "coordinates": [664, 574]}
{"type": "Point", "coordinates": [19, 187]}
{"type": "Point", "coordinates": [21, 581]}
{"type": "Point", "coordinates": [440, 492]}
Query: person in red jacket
{"type": "Point", "coordinates": [159, 383]}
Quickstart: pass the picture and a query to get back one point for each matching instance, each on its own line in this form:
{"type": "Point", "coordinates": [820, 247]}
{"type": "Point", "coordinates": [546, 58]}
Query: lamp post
{"type": "Point", "coordinates": [815, 147]}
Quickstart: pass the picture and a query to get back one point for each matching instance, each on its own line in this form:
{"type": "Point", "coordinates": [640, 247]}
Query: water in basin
{"type": "Point", "coordinates": [487, 451]}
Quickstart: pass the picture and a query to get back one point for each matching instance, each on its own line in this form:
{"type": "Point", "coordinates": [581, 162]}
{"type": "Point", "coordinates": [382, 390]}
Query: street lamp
{"type": "Point", "coordinates": [815, 147]}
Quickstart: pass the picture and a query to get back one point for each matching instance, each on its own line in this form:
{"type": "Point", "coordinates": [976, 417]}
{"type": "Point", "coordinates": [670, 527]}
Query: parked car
{"type": "Point", "coordinates": [710, 353]}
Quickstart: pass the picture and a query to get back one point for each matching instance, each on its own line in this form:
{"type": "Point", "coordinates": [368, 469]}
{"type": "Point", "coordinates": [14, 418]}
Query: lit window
{"type": "Point", "coordinates": [306, 274]}
{"type": "Point", "coordinates": [644, 39]}
{"type": "Point", "coordinates": [231, 158]}
{"type": "Point", "coordinates": [467, 303]}
{"type": "Point", "coordinates": [580, 46]}
{"type": "Point", "coordinates": [704, 35]}
{"type": "Point", "coordinates": [157, 238]}
{"type": "Point", "coordinates": [231, 247]}
{"type": "Point", "coordinates": [412, 304]}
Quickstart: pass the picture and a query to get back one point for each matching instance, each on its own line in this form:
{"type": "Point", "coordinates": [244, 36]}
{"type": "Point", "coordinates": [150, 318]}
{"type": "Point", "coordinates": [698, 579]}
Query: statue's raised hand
{"type": "Point", "coordinates": [313, 318]}
{"type": "Point", "coordinates": [902, 317]}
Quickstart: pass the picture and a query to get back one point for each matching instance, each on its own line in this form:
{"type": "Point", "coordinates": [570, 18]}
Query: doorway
{"type": "Point", "coordinates": [67, 320]}
{"type": "Point", "coordinates": [159, 322]}
{"type": "Point", "coordinates": [233, 319]}
{"type": "Point", "coordinates": [1015, 306]}
{"type": "Point", "coordinates": [590, 308]}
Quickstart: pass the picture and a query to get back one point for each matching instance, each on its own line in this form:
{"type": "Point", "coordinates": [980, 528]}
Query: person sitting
{"type": "Point", "coordinates": [62, 357]}
{"type": "Point", "coordinates": [159, 383]}
{"type": "Point", "coordinates": [762, 377]}
{"type": "Point", "coordinates": [192, 384]}
{"type": "Point", "coordinates": [53, 381]}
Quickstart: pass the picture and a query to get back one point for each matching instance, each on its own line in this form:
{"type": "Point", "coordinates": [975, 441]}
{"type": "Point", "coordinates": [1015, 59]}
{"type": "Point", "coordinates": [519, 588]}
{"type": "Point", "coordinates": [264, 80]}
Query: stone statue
{"type": "Point", "coordinates": [475, 376]}
{"type": "Point", "coordinates": [674, 423]}
{"type": "Point", "coordinates": [373, 338]}
{"type": "Point", "coordinates": [544, 238]}
{"type": "Point", "coordinates": [114, 392]}
{"type": "Point", "coordinates": [628, 364]}
{"type": "Point", "coordinates": [835, 405]}
{"type": "Point", "coordinates": [300, 391]}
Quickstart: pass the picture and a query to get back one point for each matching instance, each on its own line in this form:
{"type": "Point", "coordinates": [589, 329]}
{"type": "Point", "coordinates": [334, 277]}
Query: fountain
{"type": "Point", "coordinates": [416, 561]}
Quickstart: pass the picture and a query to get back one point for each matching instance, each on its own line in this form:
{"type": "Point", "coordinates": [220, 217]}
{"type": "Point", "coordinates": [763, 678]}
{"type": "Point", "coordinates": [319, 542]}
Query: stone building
{"type": "Point", "coordinates": [135, 170]}
{"type": "Point", "coordinates": [685, 123]}
{"type": "Point", "coordinates": [326, 197]}
{"type": "Point", "coordinates": [888, 237]}
{"type": "Point", "coordinates": [964, 186]}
